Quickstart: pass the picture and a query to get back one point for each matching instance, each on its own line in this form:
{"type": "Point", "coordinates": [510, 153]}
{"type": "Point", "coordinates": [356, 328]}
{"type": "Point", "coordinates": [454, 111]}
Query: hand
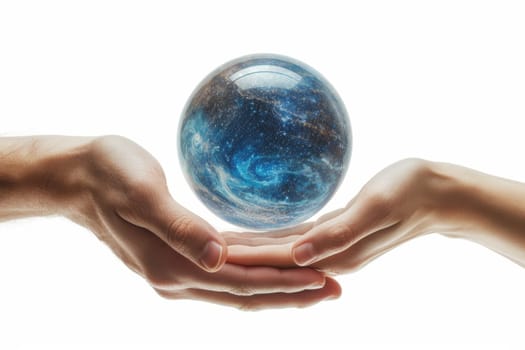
{"type": "Point", "coordinates": [118, 191]}
{"type": "Point", "coordinates": [399, 203]}
{"type": "Point", "coordinates": [131, 210]}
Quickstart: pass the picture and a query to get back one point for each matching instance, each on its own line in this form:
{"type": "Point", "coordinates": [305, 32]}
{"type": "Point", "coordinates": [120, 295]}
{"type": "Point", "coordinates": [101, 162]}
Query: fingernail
{"type": "Point", "coordinates": [304, 254]}
{"type": "Point", "coordinates": [317, 285]}
{"type": "Point", "coordinates": [211, 255]}
{"type": "Point", "coordinates": [333, 297]}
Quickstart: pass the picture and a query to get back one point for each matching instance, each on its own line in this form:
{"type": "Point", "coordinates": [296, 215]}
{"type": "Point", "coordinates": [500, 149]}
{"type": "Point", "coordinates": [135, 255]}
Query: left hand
{"type": "Point", "coordinates": [398, 204]}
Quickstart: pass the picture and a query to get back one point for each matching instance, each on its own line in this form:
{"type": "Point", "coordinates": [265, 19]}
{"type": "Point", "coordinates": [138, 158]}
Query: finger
{"type": "Point", "coordinates": [362, 252]}
{"type": "Point", "coordinates": [263, 238]}
{"type": "Point", "coordinates": [160, 270]}
{"type": "Point", "coordinates": [264, 255]}
{"type": "Point", "coordinates": [244, 280]}
{"type": "Point", "coordinates": [185, 232]}
{"type": "Point", "coordinates": [339, 233]}
{"type": "Point", "coordinates": [383, 251]}
{"type": "Point", "coordinates": [349, 260]}
{"type": "Point", "coordinates": [331, 290]}
{"type": "Point", "coordinates": [329, 216]}
{"type": "Point", "coordinates": [147, 252]}
{"type": "Point", "coordinates": [253, 241]}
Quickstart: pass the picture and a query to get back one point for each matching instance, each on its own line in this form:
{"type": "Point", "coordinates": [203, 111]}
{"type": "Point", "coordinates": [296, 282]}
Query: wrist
{"type": "Point", "coordinates": [455, 193]}
{"type": "Point", "coordinates": [61, 172]}
{"type": "Point", "coordinates": [41, 175]}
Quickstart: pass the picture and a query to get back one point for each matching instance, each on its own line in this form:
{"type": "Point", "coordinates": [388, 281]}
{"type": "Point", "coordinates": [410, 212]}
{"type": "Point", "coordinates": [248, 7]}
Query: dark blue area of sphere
{"type": "Point", "coordinates": [264, 142]}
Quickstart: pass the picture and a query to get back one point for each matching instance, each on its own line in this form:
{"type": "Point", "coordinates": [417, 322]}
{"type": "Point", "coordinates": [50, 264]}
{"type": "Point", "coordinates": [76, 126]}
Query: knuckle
{"type": "Point", "coordinates": [249, 305]}
{"type": "Point", "coordinates": [242, 290]}
{"type": "Point", "coordinates": [162, 293]}
{"type": "Point", "coordinates": [105, 142]}
{"type": "Point", "coordinates": [380, 203]}
{"type": "Point", "coordinates": [341, 235]}
{"type": "Point", "coordinates": [161, 279]}
{"type": "Point", "coordinates": [138, 189]}
{"type": "Point", "coordinates": [329, 269]}
{"type": "Point", "coordinates": [242, 286]}
{"type": "Point", "coordinates": [352, 265]}
{"type": "Point", "coordinates": [306, 304]}
{"type": "Point", "coordinates": [157, 281]}
{"type": "Point", "coordinates": [414, 165]}
{"type": "Point", "coordinates": [169, 294]}
{"type": "Point", "coordinates": [379, 198]}
{"type": "Point", "coordinates": [179, 232]}
{"type": "Point", "coordinates": [357, 261]}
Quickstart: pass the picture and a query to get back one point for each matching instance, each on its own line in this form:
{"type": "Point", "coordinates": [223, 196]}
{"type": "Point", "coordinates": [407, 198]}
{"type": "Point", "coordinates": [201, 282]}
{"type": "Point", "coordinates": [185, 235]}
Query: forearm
{"type": "Point", "coordinates": [38, 173]}
{"type": "Point", "coordinates": [486, 209]}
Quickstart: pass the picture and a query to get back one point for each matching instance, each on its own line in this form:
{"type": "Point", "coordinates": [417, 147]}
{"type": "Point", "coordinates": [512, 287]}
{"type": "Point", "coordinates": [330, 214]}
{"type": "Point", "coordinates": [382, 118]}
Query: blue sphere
{"type": "Point", "coordinates": [264, 141]}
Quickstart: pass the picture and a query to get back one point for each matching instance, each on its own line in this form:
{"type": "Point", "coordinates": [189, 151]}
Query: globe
{"type": "Point", "coordinates": [264, 141]}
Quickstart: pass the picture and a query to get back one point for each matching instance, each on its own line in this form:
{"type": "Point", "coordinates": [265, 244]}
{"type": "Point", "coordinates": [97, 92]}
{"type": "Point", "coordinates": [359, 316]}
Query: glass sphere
{"type": "Point", "coordinates": [264, 141]}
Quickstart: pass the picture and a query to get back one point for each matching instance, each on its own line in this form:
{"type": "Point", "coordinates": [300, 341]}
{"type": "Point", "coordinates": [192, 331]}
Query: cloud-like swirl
{"type": "Point", "coordinates": [265, 142]}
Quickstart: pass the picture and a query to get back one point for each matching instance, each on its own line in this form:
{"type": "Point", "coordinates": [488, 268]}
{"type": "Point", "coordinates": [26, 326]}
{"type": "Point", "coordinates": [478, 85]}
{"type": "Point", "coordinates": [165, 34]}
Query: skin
{"type": "Point", "coordinates": [408, 199]}
{"type": "Point", "coordinates": [117, 190]}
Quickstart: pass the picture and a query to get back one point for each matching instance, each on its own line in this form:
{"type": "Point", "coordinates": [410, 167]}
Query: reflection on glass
{"type": "Point", "coordinates": [265, 76]}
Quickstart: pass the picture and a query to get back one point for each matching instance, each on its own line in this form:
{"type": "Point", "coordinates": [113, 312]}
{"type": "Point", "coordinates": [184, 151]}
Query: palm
{"type": "Point", "coordinates": [383, 215]}
{"type": "Point", "coordinates": [130, 209]}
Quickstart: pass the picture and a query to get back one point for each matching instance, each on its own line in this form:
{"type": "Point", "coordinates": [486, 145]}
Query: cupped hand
{"type": "Point", "coordinates": [396, 205]}
{"type": "Point", "coordinates": [122, 196]}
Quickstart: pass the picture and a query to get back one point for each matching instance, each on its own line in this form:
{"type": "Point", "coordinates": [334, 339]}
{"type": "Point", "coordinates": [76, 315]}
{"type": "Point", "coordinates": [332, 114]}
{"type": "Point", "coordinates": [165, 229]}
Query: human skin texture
{"type": "Point", "coordinates": [117, 190]}
{"type": "Point", "coordinates": [410, 198]}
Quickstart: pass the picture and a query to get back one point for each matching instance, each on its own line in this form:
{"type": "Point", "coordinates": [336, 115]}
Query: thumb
{"type": "Point", "coordinates": [191, 236]}
{"type": "Point", "coordinates": [188, 234]}
{"type": "Point", "coordinates": [340, 231]}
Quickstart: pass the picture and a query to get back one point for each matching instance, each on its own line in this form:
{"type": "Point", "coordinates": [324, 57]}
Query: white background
{"type": "Point", "coordinates": [442, 80]}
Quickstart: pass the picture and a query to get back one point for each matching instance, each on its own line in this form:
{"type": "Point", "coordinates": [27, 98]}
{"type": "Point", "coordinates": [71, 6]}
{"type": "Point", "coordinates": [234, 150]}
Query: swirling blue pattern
{"type": "Point", "coordinates": [264, 141]}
